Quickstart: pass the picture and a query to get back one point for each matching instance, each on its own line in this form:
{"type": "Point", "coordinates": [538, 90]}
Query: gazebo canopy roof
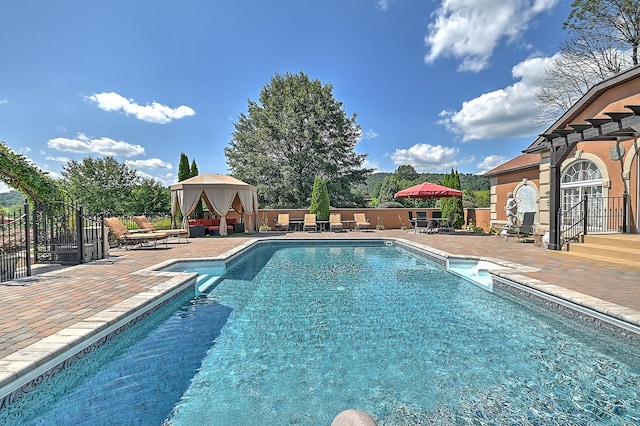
{"type": "Point", "coordinates": [208, 180]}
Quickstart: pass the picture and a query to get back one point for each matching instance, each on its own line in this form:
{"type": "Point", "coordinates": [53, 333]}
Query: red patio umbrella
{"type": "Point", "coordinates": [428, 190]}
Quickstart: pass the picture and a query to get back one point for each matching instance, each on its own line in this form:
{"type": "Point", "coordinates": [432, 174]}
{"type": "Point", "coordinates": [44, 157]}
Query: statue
{"type": "Point", "coordinates": [512, 210]}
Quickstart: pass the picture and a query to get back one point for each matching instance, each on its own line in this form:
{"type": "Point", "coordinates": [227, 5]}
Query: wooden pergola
{"type": "Point", "coordinates": [561, 141]}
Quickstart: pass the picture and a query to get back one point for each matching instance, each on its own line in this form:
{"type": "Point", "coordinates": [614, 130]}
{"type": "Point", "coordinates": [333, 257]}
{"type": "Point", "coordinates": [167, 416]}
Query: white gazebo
{"type": "Point", "coordinates": [221, 193]}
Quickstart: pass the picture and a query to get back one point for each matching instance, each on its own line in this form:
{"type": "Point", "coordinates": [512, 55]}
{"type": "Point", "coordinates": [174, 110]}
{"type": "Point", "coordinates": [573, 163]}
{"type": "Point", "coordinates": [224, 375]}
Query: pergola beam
{"type": "Point", "coordinates": [560, 142]}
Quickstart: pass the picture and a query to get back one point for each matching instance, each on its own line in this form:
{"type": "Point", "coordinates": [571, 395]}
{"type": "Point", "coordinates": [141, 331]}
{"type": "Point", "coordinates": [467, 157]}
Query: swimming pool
{"type": "Point", "coordinates": [295, 334]}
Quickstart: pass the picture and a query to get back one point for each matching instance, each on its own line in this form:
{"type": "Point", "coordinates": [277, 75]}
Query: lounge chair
{"type": "Point", "coordinates": [282, 224]}
{"type": "Point", "coordinates": [361, 221]}
{"type": "Point", "coordinates": [335, 222]}
{"type": "Point", "coordinates": [310, 222]}
{"type": "Point", "coordinates": [126, 237]}
{"type": "Point", "coordinates": [525, 230]}
{"type": "Point", "coordinates": [147, 226]}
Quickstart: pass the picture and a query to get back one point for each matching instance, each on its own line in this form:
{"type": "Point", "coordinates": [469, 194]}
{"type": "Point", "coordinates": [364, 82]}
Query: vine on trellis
{"type": "Point", "coordinates": [19, 173]}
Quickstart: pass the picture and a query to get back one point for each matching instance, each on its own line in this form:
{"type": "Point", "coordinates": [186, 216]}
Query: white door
{"type": "Point", "coordinates": [582, 178]}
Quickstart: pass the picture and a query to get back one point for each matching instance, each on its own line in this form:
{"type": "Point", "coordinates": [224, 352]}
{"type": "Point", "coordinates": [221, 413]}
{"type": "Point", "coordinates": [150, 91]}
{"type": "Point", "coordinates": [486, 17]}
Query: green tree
{"type": "Point", "coordinates": [616, 23]}
{"type": "Point", "coordinates": [388, 189]}
{"type": "Point", "coordinates": [452, 207]}
{"type": "Point", "coordinates": [199, 212]}
{"type": "Point", "coordinates": [320, 204]}
{"type": "Point", "coordinates": [184, 171]}
{"type": "Point", "coordinates": [101, 184]}
{"type": "Point", "coordinates": [150, 196]}
{"type": "Point", "coordinates": [297, 131]}
{"type": "Point", "coordinates": [602, 40]}
{"type": "Point", "coordinates": [21, 174]}
{"type": "Point", "coordinates": [407, 172]}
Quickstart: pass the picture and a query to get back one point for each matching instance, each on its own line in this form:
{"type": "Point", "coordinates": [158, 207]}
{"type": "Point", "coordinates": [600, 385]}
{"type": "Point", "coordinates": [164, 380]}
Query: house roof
{"type": "Point", "coordinates": [583, 103]}
{"type": "Point", "coordinates": [521, 162]}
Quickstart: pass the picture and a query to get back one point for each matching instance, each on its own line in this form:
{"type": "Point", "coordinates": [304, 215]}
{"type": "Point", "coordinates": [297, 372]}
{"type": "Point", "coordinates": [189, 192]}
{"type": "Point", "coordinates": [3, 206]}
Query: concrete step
{"type": "Point", "coordinates": [605, 260]}
{"type": "Point", "coordinates": [619, 249]}
{"type": "Point", "coordinates": [630, 241]}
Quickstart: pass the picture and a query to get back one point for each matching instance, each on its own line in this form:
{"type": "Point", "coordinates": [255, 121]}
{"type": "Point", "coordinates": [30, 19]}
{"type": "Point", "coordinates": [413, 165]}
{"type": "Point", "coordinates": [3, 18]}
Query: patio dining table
{"type": "Point", "coordinates": [296, 224]}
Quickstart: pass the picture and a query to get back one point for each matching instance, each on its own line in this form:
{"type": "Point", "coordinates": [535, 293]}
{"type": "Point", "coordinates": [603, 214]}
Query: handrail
{"type": "Point", "coordinates": [593, 214]}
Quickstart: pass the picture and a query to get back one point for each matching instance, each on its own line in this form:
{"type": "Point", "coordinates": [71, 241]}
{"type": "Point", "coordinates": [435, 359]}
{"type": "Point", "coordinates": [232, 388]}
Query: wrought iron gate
{"type": "Point", "coordinates": [15, 261]}
{"type": "Point", "coordinates": [63, 233]}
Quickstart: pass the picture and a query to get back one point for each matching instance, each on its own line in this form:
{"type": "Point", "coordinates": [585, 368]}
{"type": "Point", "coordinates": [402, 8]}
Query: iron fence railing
{"type": "Point", "coordinates": [58, 231]}
{"type": "Point", "coordinates": [593, 214]}
{"type": "Point", "coordinates": [15, 261]}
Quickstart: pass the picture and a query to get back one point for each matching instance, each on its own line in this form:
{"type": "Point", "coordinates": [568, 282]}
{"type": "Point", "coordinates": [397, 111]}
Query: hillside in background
{"type": "Point", "coordinates": [467, 181]}
{"type": "Point", "coordinates": [10, 201]}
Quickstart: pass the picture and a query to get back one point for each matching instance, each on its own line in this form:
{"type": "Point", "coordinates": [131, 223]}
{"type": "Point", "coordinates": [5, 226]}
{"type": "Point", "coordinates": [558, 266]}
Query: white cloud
{"type": "Point", "coordinates": [58, 159]}
{"type": "Point", "coordinates": [427, 158]}
{"type": "Point", "coordinates": [104, 146]}
{"type": "Point", "coordinates": [2, 102]}
{"type": "Point", "coordinates": [368, 164]}
{"type": "Point", "coordinates": [383, 5]}
{"type": "Point", "coordinates": [151, 163]}
{"type": "Point", "coordinates": [144, 175]}
{"type": "Point", "coordinates": [503, 113]}
{"type": "Point", "coordinates": [166, 179]}
{"type": "Point", "coordinates": [469, 30]}
{"type": "Point", "coordinates": [369, 134]}
{"type": "Point", "coordinates": [4, 188]}
{"type": "Point", "coordinates": [152, 113]}
{"type": "Point", "coordinates": [490, 162]}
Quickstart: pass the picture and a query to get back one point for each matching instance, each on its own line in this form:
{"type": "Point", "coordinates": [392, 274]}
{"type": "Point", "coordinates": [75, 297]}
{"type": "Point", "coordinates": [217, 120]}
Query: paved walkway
{"type": "Point", "coordinates": [40, 306]}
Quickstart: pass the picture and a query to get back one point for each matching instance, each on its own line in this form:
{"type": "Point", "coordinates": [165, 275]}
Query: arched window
{"type": "Point", "coordinates": [581, 178]}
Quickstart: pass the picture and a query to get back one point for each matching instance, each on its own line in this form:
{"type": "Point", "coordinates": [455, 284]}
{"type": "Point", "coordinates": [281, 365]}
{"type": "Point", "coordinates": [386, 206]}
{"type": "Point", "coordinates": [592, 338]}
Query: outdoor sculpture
{"type": "Point", "coordinates": [512, 210]}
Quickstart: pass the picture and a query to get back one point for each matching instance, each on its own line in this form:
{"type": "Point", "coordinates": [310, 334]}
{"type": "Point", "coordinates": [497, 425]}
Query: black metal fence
{"type": "Point", "coordinates": [14, 246]}
{"type": "Point", "coordinates": [57, 231]}
{"type": "Point", "coordinates": [593, 214]}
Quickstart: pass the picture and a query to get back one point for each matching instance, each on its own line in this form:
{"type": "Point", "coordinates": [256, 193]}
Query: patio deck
{"type": "Point", "coordinates": [55, 300]}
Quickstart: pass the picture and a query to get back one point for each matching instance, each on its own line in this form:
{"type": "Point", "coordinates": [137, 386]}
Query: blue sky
{"type": "Point", "coordinates": [437, 84]}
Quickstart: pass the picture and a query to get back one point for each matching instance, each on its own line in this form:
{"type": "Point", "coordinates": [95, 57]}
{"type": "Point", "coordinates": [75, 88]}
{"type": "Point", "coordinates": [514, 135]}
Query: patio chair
{"type": "Point", "coordinates": [361, 221]}
{"type": "Point", "coordinates": [525, 230]}
{"type": "Point", "coordinates": [282, 223]}
{"type": "Point", "coordinates": [310, 222]}
{"type": "Point", "coordinates": [421, 222]}
{"type": "Point", "coordinates": [147, 226]}
{"type": "Point", "coordinates": [335, 222]}
{"type": "Point", "coordinates": [126, 237]}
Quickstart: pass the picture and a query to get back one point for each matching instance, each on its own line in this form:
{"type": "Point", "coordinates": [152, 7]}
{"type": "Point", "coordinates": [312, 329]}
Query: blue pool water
{"type": "Point", "coordinates": [295, 335]}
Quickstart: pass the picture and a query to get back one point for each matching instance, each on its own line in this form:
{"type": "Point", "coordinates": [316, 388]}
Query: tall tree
{"type": "Point", "coordinates": [101, 184]}
{"type": "Point", "coordinates": [407, 172]}
{"type": "Point", "coordinates": [184, 171]}
{"type": "Point", "coordinates": [320, 199]}
{"type": "Point", "coordinates": [602, 40]}
{"type": "Point", "coordinates": [297, 131]}
{"type": "Point", "coordinates": [615, 22]}
{"type": "Point", "coordinates": [150, 196]}
{"type": "Point", "coordinates": [452, 207]}
{"type": "Point", "coordinates": [199, 212]}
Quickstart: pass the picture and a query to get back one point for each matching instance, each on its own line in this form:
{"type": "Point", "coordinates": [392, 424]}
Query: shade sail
{"type": "Point", "coordinates": [428, 190]}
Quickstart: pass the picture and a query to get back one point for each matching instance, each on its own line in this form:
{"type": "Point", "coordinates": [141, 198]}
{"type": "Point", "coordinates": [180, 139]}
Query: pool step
{"type": "Point", "coordinates": [204, 282]}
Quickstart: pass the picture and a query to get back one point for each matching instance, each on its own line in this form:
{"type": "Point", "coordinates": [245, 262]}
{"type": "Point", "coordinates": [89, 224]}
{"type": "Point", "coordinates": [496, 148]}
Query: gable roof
{"type": "Point", "coordinates": [521, 162]}
{"type": "Point", "coordinates": [585, 101]}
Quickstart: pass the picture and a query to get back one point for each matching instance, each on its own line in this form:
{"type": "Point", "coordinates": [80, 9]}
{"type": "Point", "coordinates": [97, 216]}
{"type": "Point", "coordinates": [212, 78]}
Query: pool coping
{"type": "Point", "coordinates": [25, 369]}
